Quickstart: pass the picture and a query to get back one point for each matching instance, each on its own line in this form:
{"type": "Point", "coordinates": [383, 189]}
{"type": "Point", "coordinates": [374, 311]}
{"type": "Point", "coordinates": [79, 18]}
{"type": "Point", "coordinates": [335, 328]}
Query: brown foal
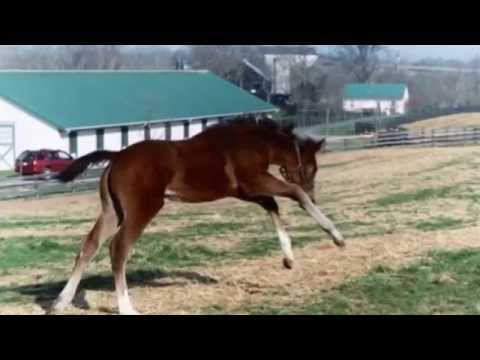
{"type": "Point", "coordinates": [227, 160]}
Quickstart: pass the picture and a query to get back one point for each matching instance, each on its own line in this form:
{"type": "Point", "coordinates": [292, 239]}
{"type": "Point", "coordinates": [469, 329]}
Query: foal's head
{"type": "Point", "coordinates": [300, 160]}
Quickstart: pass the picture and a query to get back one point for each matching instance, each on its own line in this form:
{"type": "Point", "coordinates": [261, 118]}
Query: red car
{"type": "Point", "coordinates": [42, 162]}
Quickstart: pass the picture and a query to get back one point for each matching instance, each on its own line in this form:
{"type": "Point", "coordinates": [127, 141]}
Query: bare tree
{"type": "Point", "coordinates": [106, 57]}
{"type": "Point", "coordinates": [224, 60]}
{"type": "Point", "coordinates": [359, 60]}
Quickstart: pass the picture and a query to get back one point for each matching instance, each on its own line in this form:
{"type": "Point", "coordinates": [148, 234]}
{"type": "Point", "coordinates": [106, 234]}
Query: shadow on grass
{"type": "Point", "coordinates": [45, 293]}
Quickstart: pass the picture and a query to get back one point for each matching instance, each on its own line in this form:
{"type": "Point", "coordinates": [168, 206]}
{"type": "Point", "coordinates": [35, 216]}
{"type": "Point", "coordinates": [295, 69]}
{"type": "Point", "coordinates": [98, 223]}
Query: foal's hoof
{"type": "Point", "coordinates": [57, 308]}
{"type": "Point", "coordinates": [340, 243]}
{"type": "Point", "coordinates": [288, 264]}
{"type": "Point", "coordinates": [129, 312]}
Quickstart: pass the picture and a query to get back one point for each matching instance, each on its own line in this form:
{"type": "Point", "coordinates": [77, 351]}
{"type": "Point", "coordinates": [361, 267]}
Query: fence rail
{"type": "Point", "coordinates": [322, 124]}
{"type": "Point", "coordinates": [34, 187]}
{"type": "Point", "coordinates": [436, 137]}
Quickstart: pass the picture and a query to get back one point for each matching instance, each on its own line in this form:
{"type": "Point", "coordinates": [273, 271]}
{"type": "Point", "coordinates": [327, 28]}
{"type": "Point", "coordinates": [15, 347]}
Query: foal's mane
{"type": "Point", "coordinates": [264, 124]}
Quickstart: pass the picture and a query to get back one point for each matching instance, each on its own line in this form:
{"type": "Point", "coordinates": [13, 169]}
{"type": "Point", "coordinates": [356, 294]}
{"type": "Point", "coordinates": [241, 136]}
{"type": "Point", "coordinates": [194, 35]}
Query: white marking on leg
{"type": "Point", "coordinates": [68, 293]}
{"type": "Point", "coordinates": [124, 305]}
{"type": "Point", "coordinates": [285, 241]}
{"type": "Point", "coordinates": [106, 226]}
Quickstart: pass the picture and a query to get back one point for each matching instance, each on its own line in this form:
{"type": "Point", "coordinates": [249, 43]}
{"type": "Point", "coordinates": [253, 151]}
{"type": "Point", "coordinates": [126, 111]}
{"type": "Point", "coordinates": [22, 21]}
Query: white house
{"type": "Point", "coordinates": [388, 99]}
{"type": "Point", "coordinates": [80, 112]}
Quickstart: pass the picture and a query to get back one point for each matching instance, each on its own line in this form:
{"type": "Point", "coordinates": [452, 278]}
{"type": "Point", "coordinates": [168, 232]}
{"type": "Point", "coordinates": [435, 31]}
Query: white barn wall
{"type": "Point", "coordinates": [195, 128]}
{"type": "Point", "coordinates": [211, 122]}
{"type": "Point", "coordinates": [157, 132]}
{"type": "Point", "coordinates": [136, 135]}
{"type": "Point", "coordinates": [112, 139]}
{"type": "Point", "coordinates": [30, 132]}
{"type": "Point", "coordinates": [86, 142]}
{"type": "Point", "coordinates": [177, 131]}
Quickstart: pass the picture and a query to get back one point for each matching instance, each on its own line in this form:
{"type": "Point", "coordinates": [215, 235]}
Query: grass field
{"type": "Point", "coordinates": [471, 120]}
{"type": "Point", "coordinates": [411, 217]}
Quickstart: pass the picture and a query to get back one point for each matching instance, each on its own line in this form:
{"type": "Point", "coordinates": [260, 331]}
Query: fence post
{"type": "Point", "coordinates": [328, 121]}
{"type": "Point", "coordinates": [36, 187]}
{"type": "Point", "coordinates": [433, 138]}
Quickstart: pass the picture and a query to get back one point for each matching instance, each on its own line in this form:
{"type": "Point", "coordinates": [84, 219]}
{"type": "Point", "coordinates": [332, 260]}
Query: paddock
{"type": "Point", "coordinates": [398, 209]}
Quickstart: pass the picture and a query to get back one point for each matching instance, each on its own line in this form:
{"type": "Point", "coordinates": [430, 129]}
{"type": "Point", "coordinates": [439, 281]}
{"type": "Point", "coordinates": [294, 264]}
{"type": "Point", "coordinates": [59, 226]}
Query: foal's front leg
{"type": "Point", "coordinates": [268, 185]}
{"type": "Point", "coordinates": [271, 207]}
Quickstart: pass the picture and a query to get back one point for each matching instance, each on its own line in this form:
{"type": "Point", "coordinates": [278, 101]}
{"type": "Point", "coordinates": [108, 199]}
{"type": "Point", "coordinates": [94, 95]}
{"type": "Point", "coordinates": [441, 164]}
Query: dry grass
{"type": "Point", "coordinates": [451, 121]}
{"type": "Point", "coordinates": [350, 184]}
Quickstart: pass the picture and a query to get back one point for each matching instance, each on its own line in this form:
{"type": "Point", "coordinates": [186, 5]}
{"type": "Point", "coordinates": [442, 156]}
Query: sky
{"type": "Point", "coordinates": [415, 52]}
{"type": "Point", "coordinates": [457, 52]}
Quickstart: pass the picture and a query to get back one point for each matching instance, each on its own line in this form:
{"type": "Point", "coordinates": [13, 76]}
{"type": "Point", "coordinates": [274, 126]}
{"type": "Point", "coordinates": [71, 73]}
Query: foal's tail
{"type": "Point", "coordinates": [81, 164]}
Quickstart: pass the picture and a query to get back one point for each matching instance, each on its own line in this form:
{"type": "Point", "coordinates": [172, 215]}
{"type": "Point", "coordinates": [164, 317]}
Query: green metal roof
{"type": "Point", "coordinates": [375, 91]}
{"type": "Point", "coordinates": [71, 100]}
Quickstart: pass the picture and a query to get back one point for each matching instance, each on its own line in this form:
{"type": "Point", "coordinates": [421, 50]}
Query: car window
{"type": "Point", "coordinates": [53, 156]}
{"type": "Point", "coordinates": [24, 156]}
{"type": "Point", "coordinates": [64, 156]}
{"type": "Point", "coordinates": [27, 157]}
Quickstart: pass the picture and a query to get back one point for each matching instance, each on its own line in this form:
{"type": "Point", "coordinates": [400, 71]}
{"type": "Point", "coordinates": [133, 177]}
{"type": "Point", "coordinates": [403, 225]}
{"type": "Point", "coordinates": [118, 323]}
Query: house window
{"type": "Point", "coordinates": [186, 130]}
{"type": "Point", "coordinates": [168, 131]}
{"type": "Point", "coordinates": [73, 140]}
{"type": "Point", "coordinates": [100, 139]}
{"type": "Point", "coordinates": [124, 137]}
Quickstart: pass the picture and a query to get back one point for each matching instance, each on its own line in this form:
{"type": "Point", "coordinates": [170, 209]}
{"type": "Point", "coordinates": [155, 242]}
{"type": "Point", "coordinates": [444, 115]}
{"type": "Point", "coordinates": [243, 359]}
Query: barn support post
{"type": "Point", "coordinates": [168, 131]}
{"type": "Point", "coordinates": [186, 129]}
{"type": "Point", "coordinates": [204, 124]}
{"type": "Point", "coordinates": [148, 134]}
{"type": "Point", "coordinates": [124, 132]}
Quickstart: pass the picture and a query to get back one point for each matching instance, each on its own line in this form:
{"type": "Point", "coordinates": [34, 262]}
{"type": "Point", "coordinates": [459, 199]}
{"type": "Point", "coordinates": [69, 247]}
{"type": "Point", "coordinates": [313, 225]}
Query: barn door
{"type": "Point", "coordinates": [7, 147]}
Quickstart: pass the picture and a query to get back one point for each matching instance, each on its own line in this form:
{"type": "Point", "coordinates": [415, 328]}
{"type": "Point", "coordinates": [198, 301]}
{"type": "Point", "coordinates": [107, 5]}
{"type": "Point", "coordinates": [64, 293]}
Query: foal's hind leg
{"type": "Point", "coordinates": [103, 229]}
{"type": "Point", "coordinates": [122, 243]}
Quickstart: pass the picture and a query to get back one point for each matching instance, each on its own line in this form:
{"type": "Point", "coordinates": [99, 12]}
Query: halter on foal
{"type": "Point", "coordinates": [228, 160]}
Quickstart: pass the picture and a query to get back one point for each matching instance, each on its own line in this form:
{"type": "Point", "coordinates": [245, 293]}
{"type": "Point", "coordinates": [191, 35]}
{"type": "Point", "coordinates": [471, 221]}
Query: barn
{"type": "Point", "coordinates": [83, 111]}
{"type": "Point", "coordinates": [388, 99]}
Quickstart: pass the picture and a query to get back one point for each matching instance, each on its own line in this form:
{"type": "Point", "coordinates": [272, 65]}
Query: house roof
{"type": "Point", "coordinates": [375, 91]}
{"type": "Point", "coordinates": [72, 100]}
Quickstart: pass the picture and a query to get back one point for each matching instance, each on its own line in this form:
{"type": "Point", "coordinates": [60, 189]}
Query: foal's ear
{"type": "Point", "coordinates": [316, 146]}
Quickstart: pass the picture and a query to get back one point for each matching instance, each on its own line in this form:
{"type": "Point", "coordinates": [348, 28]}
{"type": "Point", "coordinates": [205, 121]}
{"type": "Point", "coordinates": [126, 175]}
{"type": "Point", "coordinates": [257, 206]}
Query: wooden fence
{"type": "Point", "coordinates": [428, 137]}
{"type": "Point", "coordinates": [34, 187]}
